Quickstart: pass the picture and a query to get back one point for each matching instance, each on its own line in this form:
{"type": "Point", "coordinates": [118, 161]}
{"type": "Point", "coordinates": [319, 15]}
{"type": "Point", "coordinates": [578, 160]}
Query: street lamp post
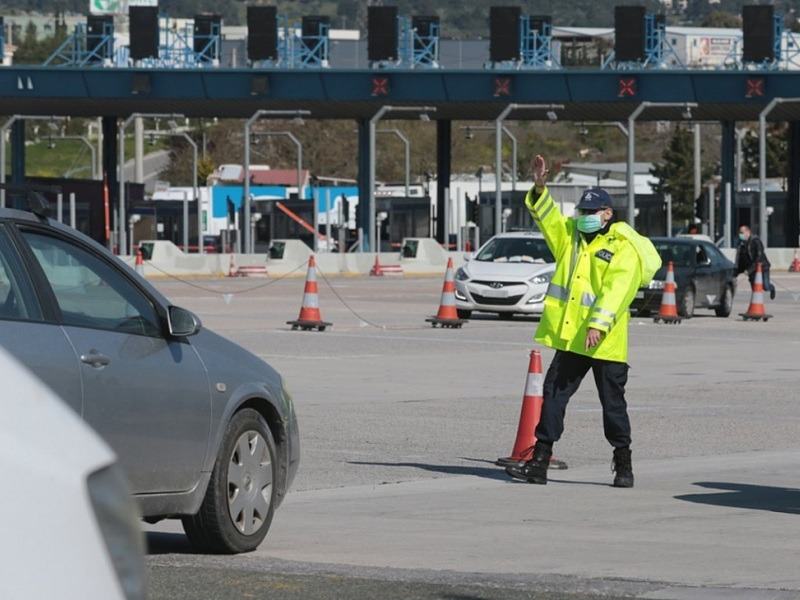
{"type": "Point", "coordinates": [632, 146]}
{"type": "Point", "coordinates": [299, 147]}
{"type": "Point", "coordinates": [423, 110]}
{"type": "Point", "coordinates": [762, 164]}
{"type": "Point", "coordinates": [498, 159]}
{"type": "Point", "coordinates": [513, 139]}
{"type": "Point", "coordinates": [120, 224]}
{"type": "Point", "coordinates": [247, 127]}
{"type": "Point", "coordinates": [173, 132]}
{"type": "Point", "coordinates": [3, 131]}
{"type": "Point", "coordinates": [407, 145]}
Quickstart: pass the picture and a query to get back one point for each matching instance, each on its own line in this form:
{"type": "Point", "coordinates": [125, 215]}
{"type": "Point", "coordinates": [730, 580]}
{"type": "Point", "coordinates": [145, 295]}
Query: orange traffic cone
{"type": "Point", "coordinates": [447, 315]}
{"type": "Point", "coordinates": [756, 312]}
{"type": "Point", "coordinates": [668, 312]}
{"type": "Point", "coordinates": [232, 272]}
{"type": "Point", "coordinates": [139, 262]}
{"type": "Point", "coordinates": [376, 270]}
{"type": "Point", "coordinates": [310, 317]}
{"type": "Point", "coordinates": [529, 418]}
{"type": "Point", "coordinates": [795, 266]}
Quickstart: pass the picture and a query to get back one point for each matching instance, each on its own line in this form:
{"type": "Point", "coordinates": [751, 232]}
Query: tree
{"type": "Point", "coordinates": [675, 173]}
{"type": "Point", "coordinates": [31, 51]}
{"type": "Point", "coordinates": [777, 152]}
{"type": "Point", "coordinates": [718, 18]}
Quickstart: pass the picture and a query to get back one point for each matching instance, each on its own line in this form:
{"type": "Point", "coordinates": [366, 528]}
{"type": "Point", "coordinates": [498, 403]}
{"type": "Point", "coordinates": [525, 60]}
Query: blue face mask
{"type": "Point", "coordinates": [743, 237]}
{"type": "Point", "coordinates": [589, 223]}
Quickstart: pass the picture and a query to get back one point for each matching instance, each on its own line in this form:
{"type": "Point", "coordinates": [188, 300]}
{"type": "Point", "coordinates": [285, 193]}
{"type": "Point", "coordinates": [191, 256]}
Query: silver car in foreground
{"type": "Point", "coordinates": [509, 274]}
{"type": "Point", "coordinates": [204, 430]}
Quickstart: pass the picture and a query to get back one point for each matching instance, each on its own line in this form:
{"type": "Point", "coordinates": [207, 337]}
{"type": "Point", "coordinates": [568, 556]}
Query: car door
{"type": "Point", "coordinates": [720, 274]}
{"type": "Point", "coordinates": [147, 395]}
{"type": "Point", "coordinates": [25, 332]}
{"type": "Point", "coordinates": [705, 283]}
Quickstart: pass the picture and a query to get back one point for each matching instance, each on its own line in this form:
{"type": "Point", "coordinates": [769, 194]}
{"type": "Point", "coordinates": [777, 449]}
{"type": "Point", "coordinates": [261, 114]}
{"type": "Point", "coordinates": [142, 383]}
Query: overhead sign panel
{"type": "Point", "coordinates": [116, 7]}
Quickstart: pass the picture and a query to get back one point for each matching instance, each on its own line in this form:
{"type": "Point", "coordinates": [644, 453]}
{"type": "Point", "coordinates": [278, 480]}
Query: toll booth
{"type": "Point", "coordinates": [90, 211]}
{"type": "Point", "coordinates": [163, 220]}
{"type": "Point", "coordinates": [406, 218]}
{"type": "Point", "coordinates": [282, 219]}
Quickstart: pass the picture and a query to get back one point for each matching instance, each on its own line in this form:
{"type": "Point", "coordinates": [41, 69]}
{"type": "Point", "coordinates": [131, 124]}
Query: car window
{"type": "Point", "coordinates": [714, 254]}
{"type": "Point", "coordinates": [702, 257]}
{"type": "Point", "coordinates": [17, 300]}
{"type": "Point", "coordinates": [681, 255]}
{"type": "Point", "coordinates": [512, 249]}
{"type": "Point", "coordinates": [89, 291]}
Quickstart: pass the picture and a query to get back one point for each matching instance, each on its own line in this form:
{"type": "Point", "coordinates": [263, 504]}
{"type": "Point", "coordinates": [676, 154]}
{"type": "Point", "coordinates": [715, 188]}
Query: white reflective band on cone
{"type": "Point", "coordinates": [448, 299]}
{"type": "Point", "coordinates": [668, 298]}
{"type": "Point", "coordinates": [534, 385]}
{"type": "Point", "coordinates": [310, 300]}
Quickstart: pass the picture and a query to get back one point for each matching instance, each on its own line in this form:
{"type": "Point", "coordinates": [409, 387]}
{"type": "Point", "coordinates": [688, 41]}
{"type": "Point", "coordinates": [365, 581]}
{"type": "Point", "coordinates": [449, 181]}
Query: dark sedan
{"type": "Point", "coordinates": [704, 278]}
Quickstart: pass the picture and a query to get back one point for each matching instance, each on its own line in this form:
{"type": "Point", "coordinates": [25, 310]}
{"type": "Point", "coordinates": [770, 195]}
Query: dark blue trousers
{"type": "Point", "coordinates": [563, 378]}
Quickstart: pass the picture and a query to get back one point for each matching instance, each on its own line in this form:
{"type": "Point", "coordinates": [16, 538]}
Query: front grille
{"type": "Point", "coordinates": [510, 301]}
{"type": "Point", "coordinates": [498, 284]}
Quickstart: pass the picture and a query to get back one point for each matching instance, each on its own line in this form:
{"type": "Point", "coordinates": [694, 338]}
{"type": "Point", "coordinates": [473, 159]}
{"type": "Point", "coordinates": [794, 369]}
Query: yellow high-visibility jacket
{"type": "Point", "coordinates": [593, 284]}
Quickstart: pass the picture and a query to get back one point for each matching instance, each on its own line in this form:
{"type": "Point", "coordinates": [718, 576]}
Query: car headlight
{"type": "Point", "coordinates": [656, 284]}
{"type": "Point", "coordinates": [461, 274]}
{"type": "Point", "coordinates": [545, 278]}
{"type": "Point", "coordinates": [117, 518]}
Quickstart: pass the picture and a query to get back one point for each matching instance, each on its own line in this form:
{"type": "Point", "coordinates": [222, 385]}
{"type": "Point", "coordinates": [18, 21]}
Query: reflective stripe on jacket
{"type": "Point", "coordinates": [593, 284]}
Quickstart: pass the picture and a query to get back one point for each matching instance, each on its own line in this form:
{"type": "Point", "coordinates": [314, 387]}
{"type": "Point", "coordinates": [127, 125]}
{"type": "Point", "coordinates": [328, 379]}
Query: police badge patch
{"type": "Point", "coordinates": [604, 255]}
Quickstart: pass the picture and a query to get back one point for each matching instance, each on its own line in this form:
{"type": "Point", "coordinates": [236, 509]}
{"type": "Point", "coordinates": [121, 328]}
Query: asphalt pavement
{"type": "Point", "coordinates": [397, 496]}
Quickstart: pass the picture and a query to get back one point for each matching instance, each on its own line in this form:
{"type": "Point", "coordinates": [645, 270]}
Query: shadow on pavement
{"type": "Point", "coordinates": [493, 473]}
{"type": "Point", "coordinates": [744, 495]}
{"type": "Point", "coordinates": [168, 543]}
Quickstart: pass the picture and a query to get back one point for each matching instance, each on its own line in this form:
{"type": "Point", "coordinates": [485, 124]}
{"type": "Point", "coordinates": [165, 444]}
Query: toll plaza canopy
{"type": "Point", "coordinates": [582, 95]}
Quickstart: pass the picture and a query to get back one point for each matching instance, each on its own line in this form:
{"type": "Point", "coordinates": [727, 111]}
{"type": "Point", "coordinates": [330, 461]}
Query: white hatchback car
{"type": "Point", "coordinates": [509, 274]}
{"type": "Point", "coordinates": [70, 527]}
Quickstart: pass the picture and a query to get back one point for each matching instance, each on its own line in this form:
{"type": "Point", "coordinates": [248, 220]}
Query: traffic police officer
{"type": "Point", "coordinates": [600, 265]}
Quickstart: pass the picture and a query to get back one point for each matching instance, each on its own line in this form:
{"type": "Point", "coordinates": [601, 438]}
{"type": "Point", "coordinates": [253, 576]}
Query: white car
{"type": "Point", "coordinates": [70, 527]}
{"type": "Point", "coordinates": [509, 274]}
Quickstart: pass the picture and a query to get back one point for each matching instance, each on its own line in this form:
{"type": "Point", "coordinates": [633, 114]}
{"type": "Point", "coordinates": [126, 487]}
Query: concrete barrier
{"type": "Point", "coordinates": [779, 258]}
{"type": "Point", "coordinates": [423, 256]}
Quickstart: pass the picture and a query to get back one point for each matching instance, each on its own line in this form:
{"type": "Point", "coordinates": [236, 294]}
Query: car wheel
{"type": "Point", "coordinates": [463, 314]}
{"type": "Point", "coordinates": [726, 306]}
{"type": "Point", "coordinates": [505, 316]}
{"type": "Point", "coordinates": [686, 309]}
{"type": "Point", "coordinates": [240, 500]}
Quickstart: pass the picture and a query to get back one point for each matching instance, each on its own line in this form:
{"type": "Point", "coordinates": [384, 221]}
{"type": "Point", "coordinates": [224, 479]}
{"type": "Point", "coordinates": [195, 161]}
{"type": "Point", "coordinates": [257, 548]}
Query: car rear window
{"type": "Point", "coordinates": [681, 255]}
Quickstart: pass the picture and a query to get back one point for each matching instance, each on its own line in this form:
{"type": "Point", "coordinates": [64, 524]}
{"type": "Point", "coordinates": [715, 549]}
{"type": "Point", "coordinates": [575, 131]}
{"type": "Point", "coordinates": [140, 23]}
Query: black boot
{"type": "Point", "coordinates": [534, 470]}
{"type": "Point", "coordinates": [622, 468]}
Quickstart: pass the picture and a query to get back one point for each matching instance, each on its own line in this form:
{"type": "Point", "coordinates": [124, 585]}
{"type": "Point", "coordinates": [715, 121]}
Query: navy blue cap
{"type": "Point", "coordinates": [594, 199]}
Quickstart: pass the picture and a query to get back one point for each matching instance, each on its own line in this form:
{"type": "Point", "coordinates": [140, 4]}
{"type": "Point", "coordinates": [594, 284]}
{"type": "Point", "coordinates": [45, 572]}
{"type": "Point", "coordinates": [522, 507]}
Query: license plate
{"type": "Point", "coordinates": [493, 293]}
{"type": "Point", "coordinates": [640, 295]}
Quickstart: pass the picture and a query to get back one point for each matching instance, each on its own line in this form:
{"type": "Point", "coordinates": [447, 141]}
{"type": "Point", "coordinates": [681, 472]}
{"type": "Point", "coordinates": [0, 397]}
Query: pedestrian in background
{"type": "Point", "coordinates": [600, 266]}
{"type": "Point", "coordinates": [751, 253]}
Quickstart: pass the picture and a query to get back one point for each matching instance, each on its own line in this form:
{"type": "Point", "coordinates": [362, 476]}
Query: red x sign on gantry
{"type": "Point", "coordinates": [380, 86]}
{"type": "Point", "coordinates": [502, 86]}
{"type": "Point", "coordinates": [754, 87]}
{"type": "Point", "coordinates": [627, 87]}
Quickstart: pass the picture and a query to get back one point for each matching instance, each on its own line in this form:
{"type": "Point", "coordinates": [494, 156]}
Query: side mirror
{"type": "Point", "coordinates": [183, 323]}
{"type": "Point", "coordinates": [469, 256]}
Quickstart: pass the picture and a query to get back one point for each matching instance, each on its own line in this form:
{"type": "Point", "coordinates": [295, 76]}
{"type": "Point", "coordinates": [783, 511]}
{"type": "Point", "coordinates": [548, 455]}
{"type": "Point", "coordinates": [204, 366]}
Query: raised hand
{"type": "Point", "coordinates": [540, 171]}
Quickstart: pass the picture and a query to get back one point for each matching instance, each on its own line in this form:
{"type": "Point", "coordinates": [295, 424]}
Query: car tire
{"type": "Point", "coordinates": [686, 308]}
{"type": "Point", "coordinates": [726, 306]}
{"type": "Point", "coordinates": [463, 314]}
{"type": "Point", "coordinates": [225, 524]}
{"type": "Point", "coordinates": [505, 316]}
